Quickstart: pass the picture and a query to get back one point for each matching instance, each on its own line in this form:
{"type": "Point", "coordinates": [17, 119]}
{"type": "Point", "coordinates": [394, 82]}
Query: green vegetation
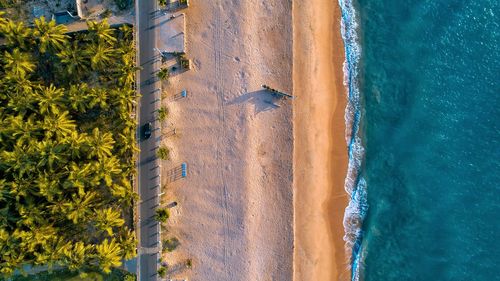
{"type": "Point", "coordinates": [162, 113]}
{"type": "Point", "coordinates": [170, 244]}
{"type": "Point", "coordinates": [162, 272]}
{"type": "Point", "coordinates": [162, 215]}
{"type": "Point", "coordinates": [162, 3]}
{"type": "Point", "coordinates": [189, 263]}
{"type": "Point", "coordinates": [163, 153]}
{"type": "Point", "coordinates": [84, 275]}
{"type": "Point", "coordinates": [67, 140]}
{"type": "Point", "coordinates": [164, 73]}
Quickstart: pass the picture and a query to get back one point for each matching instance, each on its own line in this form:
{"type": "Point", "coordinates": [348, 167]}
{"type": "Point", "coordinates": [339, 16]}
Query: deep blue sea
{"type": "Point", "coordinates": [423, 79]}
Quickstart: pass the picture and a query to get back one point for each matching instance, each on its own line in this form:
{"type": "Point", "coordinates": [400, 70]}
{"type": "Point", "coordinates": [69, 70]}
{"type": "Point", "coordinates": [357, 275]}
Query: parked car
{"type": "Point", "coordinates": [146, 130]}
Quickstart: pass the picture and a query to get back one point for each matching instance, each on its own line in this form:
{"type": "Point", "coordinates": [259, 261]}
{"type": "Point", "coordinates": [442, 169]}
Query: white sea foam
{"type": "Point", "coordinates": [355, 185]}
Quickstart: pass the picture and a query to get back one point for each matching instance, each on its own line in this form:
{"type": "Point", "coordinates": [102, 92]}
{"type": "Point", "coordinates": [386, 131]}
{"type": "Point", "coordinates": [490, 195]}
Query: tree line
{"type": "Point", "coordinates": [67, 140]}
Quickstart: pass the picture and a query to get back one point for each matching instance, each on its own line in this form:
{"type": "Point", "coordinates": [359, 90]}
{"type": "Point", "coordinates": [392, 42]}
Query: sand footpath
{"type": "Point", "coordinates": [320, 153]}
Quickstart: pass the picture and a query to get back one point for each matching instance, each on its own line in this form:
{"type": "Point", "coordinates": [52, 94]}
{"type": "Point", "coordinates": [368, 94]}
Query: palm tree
{"type": "Point", "coordinates": [100, 32]}
{"type": "Point", "coordinates": [48, 186]}
{"type": "Point", "coordinates": [164, 73]}
{"type": "Point", "coordinates": [52, 252]}
{"type": "Point", "coordinates": [126, 32]}
{"type": "Point", "coordinates": [49, 35]}
{"type": "Point", "coordinates": [58, 124]}
{"type": "Point", "coordinates": [75, 254]}
{"type": "Point", "coordinates": [101, 56]}
{"type": "Point", "coordinates": [78, 177]}
{"type": "Point", "coordinates": [108, 255]}
{"type": "Point", "coordinates": [107, 168]}
{"type": "Point", "coordinates": [79, 208]}
{"type": "Point", "coordinates": [21, 97]}
{"type": "Point", "coordinates": [23, 129]}
{"type": "Point", "coordinates": [50, 99]}
{"type": "Point", "coordinates": [123, 100]}
{"type": "Point", "coordinates": [48, 153]}
{"type": "Point", "coordinates": [126, 71]}
{"type": "Point", "coordinates": [101, 144]}
{"type": "Point", "coordinates": [15, 33]}
{"type": "Point", "coordinates": [106, 219]}
{"type": "Point", "coordinates": [18, 63]}
{"type": "Point", "coordinates": [17, 161]}
{"type": "Point", "coordinates": [128, 244]}
{"type": "Point", "coordinates": [75, 142]}
{"type": "Point", "coordinates": [162, 215]}
{"type": "Point", "coordinates": [79, 96]}
{"type": "Point", "coordinates": [98, 96]}
{"type": "Point", "coordinates": [74, 59]}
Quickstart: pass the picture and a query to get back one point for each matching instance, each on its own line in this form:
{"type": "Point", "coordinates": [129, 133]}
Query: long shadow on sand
{"type": "Point", "coordinates": [262, 100]}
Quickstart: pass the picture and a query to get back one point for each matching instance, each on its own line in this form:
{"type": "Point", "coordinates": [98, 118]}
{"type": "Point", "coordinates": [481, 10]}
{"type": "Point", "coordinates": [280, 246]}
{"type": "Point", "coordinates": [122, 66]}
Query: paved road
{"type": "Point", "coordinates": [148, 166]}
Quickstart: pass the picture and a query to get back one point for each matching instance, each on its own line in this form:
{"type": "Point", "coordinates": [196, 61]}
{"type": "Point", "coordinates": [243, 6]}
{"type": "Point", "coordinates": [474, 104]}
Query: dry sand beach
{"type": "Point", "coordinates": [320, 150]}
{"type": "Point", "coordinates": [235, 212]}
{"type": "Point", "coordinates": [247, 156]}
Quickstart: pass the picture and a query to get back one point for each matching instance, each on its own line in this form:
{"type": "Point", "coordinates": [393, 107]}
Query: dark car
{"type": "Point", "coordinates": [146, 130]}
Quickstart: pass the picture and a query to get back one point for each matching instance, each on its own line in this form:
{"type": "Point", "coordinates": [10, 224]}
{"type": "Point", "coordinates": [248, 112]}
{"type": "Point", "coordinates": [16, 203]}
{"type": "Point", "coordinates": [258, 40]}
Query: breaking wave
{"type": "Point", "coordinates": [355, 185]}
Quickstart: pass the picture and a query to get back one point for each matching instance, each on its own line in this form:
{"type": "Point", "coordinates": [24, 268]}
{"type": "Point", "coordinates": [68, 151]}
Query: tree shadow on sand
{"type": "Point", "coordinates": [262, 100]}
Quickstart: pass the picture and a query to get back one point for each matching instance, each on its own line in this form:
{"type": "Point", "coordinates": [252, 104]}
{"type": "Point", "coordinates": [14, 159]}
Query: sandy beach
{"type": "Point", "coordinates": [320, 153]}
{"type": "Point", "coordinates": [235, 212]}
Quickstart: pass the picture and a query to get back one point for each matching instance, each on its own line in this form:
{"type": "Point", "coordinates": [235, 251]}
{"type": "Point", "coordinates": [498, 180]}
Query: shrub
{"type": "Point", "coordinates": [162, 3]}
{"type": "Point", "coordinates": [162, 271]}
{"type": "Point", "coordinates": [162, 215]}
{"type": "Point", "coordinates": [170, 244]}
{"type": "Point", "coordinates": [163, 153]}
{"type": "Point", "coordinates": [162, 113]}
{"type": "Point", "coordinates": [189, 263]}
{"type": "Point", "coordinates": [130, 278]}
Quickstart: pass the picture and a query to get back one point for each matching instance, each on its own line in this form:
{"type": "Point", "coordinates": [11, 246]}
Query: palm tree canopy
{"type": "Point", "coordinates": [18, 63]}
{"type": "Point", "coordinates": [49, 35]}
{"type": "Point", "coordinates": [109, 254]}
{"type": "Point", "coordinates": [101, 32]}
{"type": "Point", "coordinates": [67, 140]}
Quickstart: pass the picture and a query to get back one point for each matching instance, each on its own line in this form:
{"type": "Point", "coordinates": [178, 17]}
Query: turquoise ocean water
{"type": "Point", "coordinates": [423, 79]}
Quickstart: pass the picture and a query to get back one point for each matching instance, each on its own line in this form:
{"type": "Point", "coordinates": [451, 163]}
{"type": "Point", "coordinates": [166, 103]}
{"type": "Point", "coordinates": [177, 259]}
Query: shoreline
{"type": "Point", "coordinates": [320, 150]}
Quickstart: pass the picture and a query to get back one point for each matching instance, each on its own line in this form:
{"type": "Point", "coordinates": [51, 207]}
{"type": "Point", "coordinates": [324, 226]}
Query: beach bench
{"type": "Point", "coordinates": [184, 170]}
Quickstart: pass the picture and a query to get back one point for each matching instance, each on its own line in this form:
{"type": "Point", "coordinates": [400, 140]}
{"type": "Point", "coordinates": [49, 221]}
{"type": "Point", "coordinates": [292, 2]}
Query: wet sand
{"type": "Point", "coordinates": [320, 150]}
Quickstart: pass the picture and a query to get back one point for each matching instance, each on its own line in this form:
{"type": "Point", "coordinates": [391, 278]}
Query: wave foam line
{"type": "Point", "coordinates": [355, 184]}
